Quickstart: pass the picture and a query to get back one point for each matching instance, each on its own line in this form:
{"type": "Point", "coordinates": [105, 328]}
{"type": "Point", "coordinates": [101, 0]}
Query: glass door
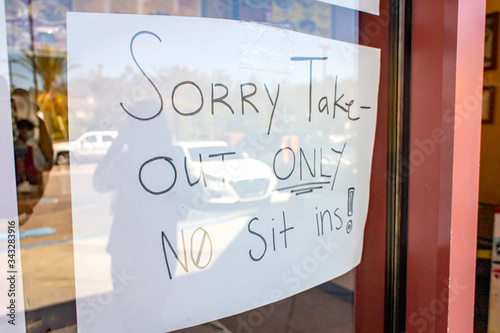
{"type": "Point", "coordinates": [203, 165]}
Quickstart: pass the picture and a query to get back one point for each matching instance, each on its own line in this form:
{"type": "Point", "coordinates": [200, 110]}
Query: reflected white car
{"type": "Point", "coordinates": [236, 179]}
{"type": "Point", "coordinates": [89, 146]}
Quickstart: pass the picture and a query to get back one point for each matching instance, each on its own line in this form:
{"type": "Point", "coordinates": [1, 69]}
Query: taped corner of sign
{"type": "Point", "coordinates": [265, 48]}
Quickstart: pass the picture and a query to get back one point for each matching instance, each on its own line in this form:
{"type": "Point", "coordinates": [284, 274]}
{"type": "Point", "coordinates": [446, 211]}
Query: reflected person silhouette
{"type": "Point", "coordinates": [138, 220]}
{"type": "Point", "coordinates": [33, 152]}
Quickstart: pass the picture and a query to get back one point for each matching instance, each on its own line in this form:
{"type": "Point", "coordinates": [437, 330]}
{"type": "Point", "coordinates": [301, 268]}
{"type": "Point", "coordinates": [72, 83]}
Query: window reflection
{"type": "Point", "coordinates": [37, 60]}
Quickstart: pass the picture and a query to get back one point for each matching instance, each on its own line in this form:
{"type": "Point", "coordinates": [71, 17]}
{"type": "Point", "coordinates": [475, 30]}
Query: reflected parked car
{"type": "Point", "coordinates": [89, 146]}
{"type": "Point", "coordinates": [237, 179]}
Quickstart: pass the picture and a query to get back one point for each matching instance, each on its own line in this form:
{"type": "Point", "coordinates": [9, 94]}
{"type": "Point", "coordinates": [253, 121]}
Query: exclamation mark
{"type": "Point", "coordinates": [350, 201]}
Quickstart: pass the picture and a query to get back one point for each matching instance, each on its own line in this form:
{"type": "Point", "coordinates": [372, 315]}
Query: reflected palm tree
{"type": "Point", "coordinates": [50, 66]}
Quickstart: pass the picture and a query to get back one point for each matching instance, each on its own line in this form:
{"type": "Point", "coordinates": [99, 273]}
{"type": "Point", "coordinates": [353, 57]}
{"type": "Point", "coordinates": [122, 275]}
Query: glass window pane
{"type": "Point", "coordinates": [67, 157]}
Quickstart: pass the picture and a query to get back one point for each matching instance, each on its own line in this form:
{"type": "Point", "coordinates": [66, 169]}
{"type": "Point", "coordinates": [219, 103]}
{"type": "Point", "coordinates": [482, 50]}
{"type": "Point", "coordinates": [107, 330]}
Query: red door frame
{"type": "Point", "coordinates": [370, 274]}
{"type": "Point", "coordinates": [445, 124]}
{"type": "Point", "coordinates": [448, 44]}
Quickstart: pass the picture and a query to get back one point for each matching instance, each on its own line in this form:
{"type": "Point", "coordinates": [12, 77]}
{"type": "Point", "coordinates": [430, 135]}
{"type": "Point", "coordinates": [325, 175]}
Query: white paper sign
{"type": "Point", "coordinates": [216, 166]}
{"type": "Point", "coordinates": [12, 318]}
{"type": "Point", "coordinates": [369, 6]}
